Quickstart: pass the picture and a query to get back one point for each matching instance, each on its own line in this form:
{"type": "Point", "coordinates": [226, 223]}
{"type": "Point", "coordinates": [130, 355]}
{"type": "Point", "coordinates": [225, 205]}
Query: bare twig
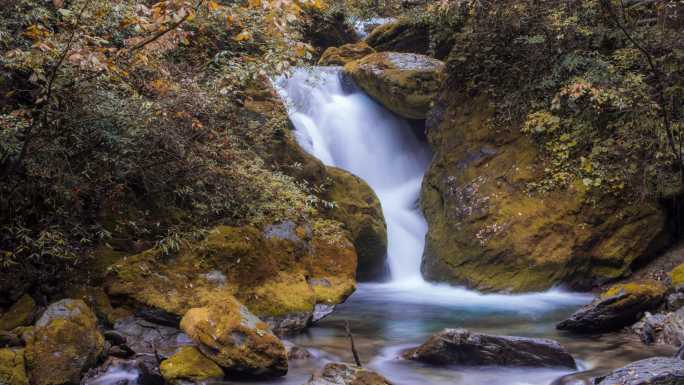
{"type": "Point", "coordinates": [355, 353]}
{"type": "Point", "coordinates": [163, 32]}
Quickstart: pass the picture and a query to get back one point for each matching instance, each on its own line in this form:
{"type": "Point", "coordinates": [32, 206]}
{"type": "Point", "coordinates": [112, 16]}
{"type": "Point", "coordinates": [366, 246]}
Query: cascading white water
{"type": "Point", "coordinates": [345, 128]}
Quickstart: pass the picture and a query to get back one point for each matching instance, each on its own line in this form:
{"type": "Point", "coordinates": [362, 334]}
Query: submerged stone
{"type": "Point", "coordinates": [462, 347]}
{"type": "Point", "coordinates": [346, 374]}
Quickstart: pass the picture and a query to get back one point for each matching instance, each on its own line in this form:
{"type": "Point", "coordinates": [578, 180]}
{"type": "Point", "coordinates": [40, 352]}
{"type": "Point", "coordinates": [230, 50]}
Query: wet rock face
{"type": "Point", "coordinates": [617, 307]}
{"type": "Point", "coordinates": [236, 340]}
{"type": "Point", "coordinates": [339, 56]}
{"type": "Point", "coordinates": [656, 370]}
{"type": "Point", "coordinates": [144, 337]}
{"type": "Point", "coordinates": [462, 347]}
{"type": "Point", "coordinates": [345, 374]}
{"type": "Point", "coordinates": [662, 328]}
{"type": "Point", "coordinates": [65, 343]}
{"type": "Point", "coordinates": [488, 230]}
{"type": "Point", "coordinates": [359, 209]}
{"type": "Point", "coordinates": [404, 83]}
{"type": "Point", "coordinates": [401, 36]}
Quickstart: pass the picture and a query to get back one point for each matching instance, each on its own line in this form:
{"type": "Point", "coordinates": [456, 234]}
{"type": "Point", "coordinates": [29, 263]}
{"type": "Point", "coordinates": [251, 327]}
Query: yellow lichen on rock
{"type": "Point", "coordinates": [677, 275]}
{"type": "Point", "coordinates": [20, 314]}
{"type": "Point", "coordinates": [12, 367]}
{"type": "Point", "coordinates": [267, 270]}
{"type": "Point", "coordinates": [236, 339]}
{"type": "Point", "coordinates": [339, 56]}
{"type": "Point", "coordinates": [65, 343]}
{"type": "Point", "coordinates": [189, 364]}
{"type": "Point", "coordinates": [645, 288]}
{"type": "Point", "coordinates": [489, 230]}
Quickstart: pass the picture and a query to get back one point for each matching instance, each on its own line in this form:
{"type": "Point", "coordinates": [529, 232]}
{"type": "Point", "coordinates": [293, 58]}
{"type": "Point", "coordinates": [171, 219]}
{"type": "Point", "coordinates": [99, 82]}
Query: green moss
{"type": "Point", "coordinates": [188, 363]}
{"type": "Point", "coordinates": [12, 368]}
{"type": "Point", "coordinates": [20, 314]}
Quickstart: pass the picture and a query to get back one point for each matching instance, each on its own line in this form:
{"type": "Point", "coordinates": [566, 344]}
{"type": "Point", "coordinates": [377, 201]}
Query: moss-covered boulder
{"type": "Point", "coordinates": [284, 268]}
{"type": "Point", "coordinates": [358, 208]}
{"type": "Point", "coordinates": [21, 313]}
{"type": "Point", "coordinates": [65, 343]}
{"type": "Point", "coordinates": [345, 374]}
{"type": "Point", "coordinates": [677, 275]}
{"type": "Point", "coordinates": [235, 339]}
{"type": "Point", "coordinates": [403, 35]}
{"type": "Point", "coordinates": [12, 367]}
{"type": "Point", "coordinates": [339, 56]}
{"type": "Point", "coordinates": [490, 229]}
{"type": "Point", "coordinates": [619, 306]}
{"type": "Point", "coordinates": [191, 365]}
{"type": "Point", "coordinates": [404, 83]}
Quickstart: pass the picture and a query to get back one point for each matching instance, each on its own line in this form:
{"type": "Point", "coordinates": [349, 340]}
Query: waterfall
{"type": "Point", "coordinates": [345, 128]}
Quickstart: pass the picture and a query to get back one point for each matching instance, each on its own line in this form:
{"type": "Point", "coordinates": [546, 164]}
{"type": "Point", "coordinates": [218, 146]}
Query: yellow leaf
{"type": "Point", "coordinates": [213, 6]}
{"type": "Point", "coordinates": [254, 3]}
{"type": "Point", "coordinates": [243, 36]}
{"type": "Point", "coordinates": [300, 51]}
{"type": "Point", "coordinates": [230, 20]}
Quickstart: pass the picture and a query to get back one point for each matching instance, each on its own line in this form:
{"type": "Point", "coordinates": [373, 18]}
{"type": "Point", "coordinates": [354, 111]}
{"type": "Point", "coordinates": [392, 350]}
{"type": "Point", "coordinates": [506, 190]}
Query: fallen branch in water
{"type": "Point", "coordinates": [357, 360]}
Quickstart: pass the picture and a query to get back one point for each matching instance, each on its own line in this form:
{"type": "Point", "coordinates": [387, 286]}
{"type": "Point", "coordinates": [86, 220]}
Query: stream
{"type": "Point", "coordinates": [343, 127]}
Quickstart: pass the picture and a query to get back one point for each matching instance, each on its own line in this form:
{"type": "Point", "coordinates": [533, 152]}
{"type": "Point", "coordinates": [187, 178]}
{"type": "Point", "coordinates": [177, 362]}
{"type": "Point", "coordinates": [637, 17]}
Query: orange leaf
{"type": "Point", "coordinates": [213, 6]}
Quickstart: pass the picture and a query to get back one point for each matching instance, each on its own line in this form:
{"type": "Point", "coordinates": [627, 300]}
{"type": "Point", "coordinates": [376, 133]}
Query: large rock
{"type": "Point", "coordinates": [21, 313]}
{"type": "Point", "coordinates": [358, 208]}
{"type": "Point", "coordinates": [656, 370]}
{"type": "Point", "coordinates": [404, 83]}
{"type": "Point", "coordinates": [345, 374]}
{"type": "Point", "coordinates": [402, 35]}
{"type": "Point", "coordinates": [189, 364]}
{"type": "Point", "coordinates": [462, 347]}
{"type": "Point", "coordinates": [339, 56]}
{"type": "Point", "coordinates": [65, 344]}
{"type": "Point", "coordinates": [284, 269]}
{"type": "Point", "coordinates": [615, 308]}
{"type": "Point", "coordinates": [12, 367]}
{"type": "Point", "coordinates": [662, 328]}
{"type": "Point", "coordinates": [235, 339]}
{"type": "Point", "coordinates": [490, 231]}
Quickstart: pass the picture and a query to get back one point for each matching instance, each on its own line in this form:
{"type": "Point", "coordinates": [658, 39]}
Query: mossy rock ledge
{"type": "Point", "coordinates": [401, 35]}
{"type": "Point", "coordinates": [490, 231]}
{"type": "Point", "coordinates": [279, 273]}
{"type": "Point", "coordinates": [404, 83]}
{"type": "Point", "coordinates": [619, 306]}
